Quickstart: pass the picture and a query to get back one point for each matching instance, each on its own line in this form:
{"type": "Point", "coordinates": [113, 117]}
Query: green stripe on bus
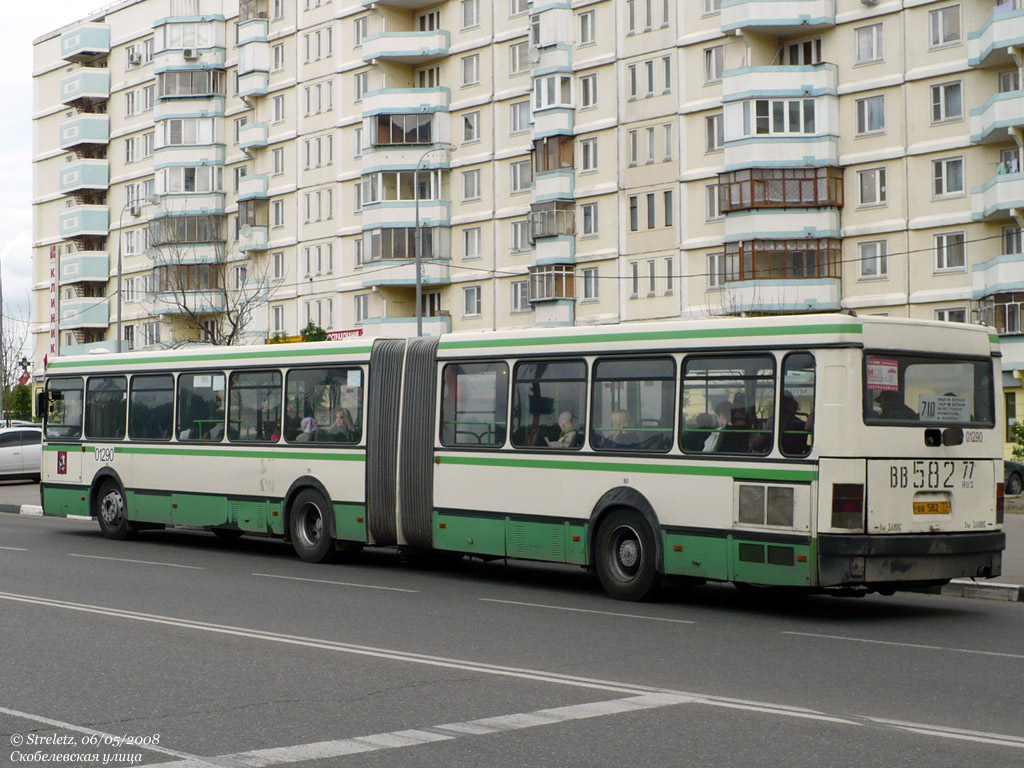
{"type": "Point", "coordinates": [705, 333]}
{"type": "Point", "coordinates": [643, 467]}
{"type": "Point", "coordinates": [225, 452]}
{"type": "Point", "coordinates": [261, 353]}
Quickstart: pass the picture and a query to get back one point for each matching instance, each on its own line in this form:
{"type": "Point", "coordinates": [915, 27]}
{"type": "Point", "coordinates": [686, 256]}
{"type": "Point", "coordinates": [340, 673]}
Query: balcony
{"type": "Point", "coordinates": [1004, 29]}
{"type": "Point", "coordinates": [780, 150]}
{"type": "Point", "coordinates": [405, 5]}
{"type": "Point", "coordinates": [780, 81]}
{"type": "Point", "coordinates": [253, 68]}
{"type": "Point", "coordinates": [553, 219]}
{"type": "Point", "coordinates": [413, 48]}
{"type": "Point", "coordinates": [85, 349]}
{"type": "Point", "coordinates": [402, 327]}
{"type": "Point", "coordinates": [203, 302]}
{"type": "Point", "coordinates": [85, 312]}
{"type": "Point", "coordinates": [84, 267]}
{"type": "Point", "coordinates": [85, 88]}
{"type": "Point", "coordinates": [999, 274]}
{"type": "Point", "coordinates": [756, 188]}
{"type": "Point", "coordinates": [402, 273]}
{"type": "Point", "coordinates": [85, 43]}
{"type": "Point", "coordinates": [402, 213]}
{"type": "Point", "coordinates": [795, 259]}
{"type": "Point", "coordinates": [782, 224]}
{"type": "Point", "coordinates": [84, 221]}
{"type": "Point", "coordinates": [782, 296]}
{"type": "Point", "coordinates": [778, 17]}
{"type": "Point", "coordinates": [998, 198]}
{"type": "Point", "coordinates": [253, 31]}
{"type": "Point", "coordinates": [552, 121]}
{"type": "Point", "coordinates": [253, 84]}
{"type": "Point", "coordinates": [252, 186]}
{"type": "Point", "coordinates": [252, 136]}
{"type": "Point", "coordinates": [84, 175]}
{"type": "Point", "coordinates": [406, 100]}
{"type": "Point", "coordinates": [252, 239]}
{"type": "Point", "coordinates": [991, 122]}
{"type": "Point", "coordinates": [85, 132]}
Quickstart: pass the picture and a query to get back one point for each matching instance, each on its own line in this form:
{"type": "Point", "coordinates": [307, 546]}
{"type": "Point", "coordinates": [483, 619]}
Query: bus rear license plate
{"type": "Point", "coordinates": [931, 508]}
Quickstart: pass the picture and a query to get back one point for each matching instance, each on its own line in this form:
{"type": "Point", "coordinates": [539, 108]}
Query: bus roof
{"type": "Point", "coordinates": [712, 333]}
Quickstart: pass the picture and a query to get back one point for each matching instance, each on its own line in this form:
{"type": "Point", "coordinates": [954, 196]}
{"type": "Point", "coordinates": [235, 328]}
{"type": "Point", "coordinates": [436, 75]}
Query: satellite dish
{"type": "Point", "coordinates": [534, 54]}
{"type": "Point", "coordinates": [245, 231]}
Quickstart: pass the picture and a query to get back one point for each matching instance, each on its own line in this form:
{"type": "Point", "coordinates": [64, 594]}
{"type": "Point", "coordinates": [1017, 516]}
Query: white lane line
{"type": "Point", "coordinates": [954, 733]}
{"type": "Point", "coordinates": [115, 738]}
{"type": "Point", "coordinates": [139, 562]}
{"type": "Point", "coordinates": [335, 583]}
{"type": "Point", "coordinates": [908, 645]}
{"type": "Point", "coordinates": [15, 549]}
{"type": "Point", "coordinates": [585, 610]}
{"type": "Point", "coordinates": [260, 758]}
{"type": "Point", "coordinates": [555, 678]}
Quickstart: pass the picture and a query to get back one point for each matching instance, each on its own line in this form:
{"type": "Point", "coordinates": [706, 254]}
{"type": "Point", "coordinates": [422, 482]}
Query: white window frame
{"type": "Point", "coordinates": [472, 301]}
{"type": "Point", "coordinates": [714, 133]}
{"type": "Point", "coordinates": [940, 101]}
{"type": "Point", "coordinates": [588, 155]}
{"type": "Point", "coordinates": [588, 91]}
{"type": "Point", "coordinates": [873, 260]}
{"type": "Point", "coordinates": [521, 296]}
{"type": "Point", "coordinates": [519, 61]}
{"type": "Point", "coordinates": [716, 271]}
{"type": "Point", "coordinates": [714, 64]}
{"type": "Point", "coordinates": [864, 115]}
{"type": "Point", "coordinates": [587, 36]}
{"type": "Point", "coordinates": [938, 35]}
{"type": "Point", "coordinates": [471, 125]}
{"type": "Point", "coordinates": [521, 173]}
{"type": "Point", "coordinates": [471, 185]}
{"type": "Point", "coordinates": [589, 222]}
{"type": "Point", "coordinates": [941, 177]}
{"type": "Point", "coordinates": [877, 179]}
{"type": "Point", "coordinates": [945, 314]}
{"type": "Point", "coordinates": [591, 283]}
{"type": "Point", "coordinates": [712, 203]}
{"type": "Point", "coordinates": [471, 241]}
{"type": "Point", "coordinates": [874, 37]}
{"type": "Point", "coordinates": [941, 243]}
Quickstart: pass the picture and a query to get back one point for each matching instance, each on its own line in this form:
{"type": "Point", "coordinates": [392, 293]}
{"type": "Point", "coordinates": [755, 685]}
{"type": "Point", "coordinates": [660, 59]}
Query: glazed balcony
{"type": "Point", "coordinates": [83, 175]}
{"type": "Point", "coordinates": [991, 123]}
{"type": "Point", "coordinates": [85, 88]}
{"type": "Point", "coordinates": [414, 48]}
{"type": "Point", "coordinates": [85, 312]}
{"type": "Point", "coordinates": [778, 17]}
{"type": "Point", "coordinates": [758, 188]}
{"type": "Point", "coordinates": [1004, 29]}
{"type": "Point", "coordinates": [85, 132]}
{"type": "Point", "coordinates": [998, 198]}
{"type": "Point", "coordinates": [84, 221]}
{"type": "Point", "coordinates": [85, 43]}
{"type": "Point", "coordinates": [84, 267]}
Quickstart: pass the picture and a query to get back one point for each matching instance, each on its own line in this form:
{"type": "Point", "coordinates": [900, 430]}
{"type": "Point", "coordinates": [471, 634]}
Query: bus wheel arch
{"type": "Point", "coordinates": [625, 545]}
{"type": "Point", "coordinates": [108, 502]}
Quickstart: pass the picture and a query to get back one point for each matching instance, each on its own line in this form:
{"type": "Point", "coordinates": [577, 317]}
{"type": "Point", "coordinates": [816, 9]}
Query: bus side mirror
{"type": "Point", "coordinates": [42, 402]}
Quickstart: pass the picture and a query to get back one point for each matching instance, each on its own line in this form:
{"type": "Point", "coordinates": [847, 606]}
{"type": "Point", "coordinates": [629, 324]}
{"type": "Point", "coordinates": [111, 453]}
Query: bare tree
{"type": "Point", "coordinates": [13, 362]}
{"type": "Point", "coordinates": [214, 294]}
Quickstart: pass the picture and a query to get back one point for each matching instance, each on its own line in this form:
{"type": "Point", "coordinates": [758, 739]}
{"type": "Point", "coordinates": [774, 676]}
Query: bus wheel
{"type": "Point", "coordinates": [624, 555]}
{"type": "Point", "coordinates": [111, 513]}
{"type": "Point", "coordinates": [310, 529]}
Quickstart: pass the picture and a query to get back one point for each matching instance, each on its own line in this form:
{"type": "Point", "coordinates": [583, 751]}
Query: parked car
{"type": "Point", "coordinates": [21, 453]}
{"type": "Point", "coordinates": [1013, 478]}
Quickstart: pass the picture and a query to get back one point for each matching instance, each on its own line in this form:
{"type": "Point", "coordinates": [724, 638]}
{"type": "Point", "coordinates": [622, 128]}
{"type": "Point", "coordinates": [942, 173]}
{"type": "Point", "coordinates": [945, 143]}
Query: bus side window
{"type": "Point", "coordinates": [474, 404]}
{"type": "Point", "coordinates": [323, 405]}
{"type": "Point", "coordinates": [633, 404]}
{"type": "Point", "coordinates": [548, 402]}
{"type": "Point", "coordinates": [796, 409]}
{"type": "Point", "coordinates": [728, 405]}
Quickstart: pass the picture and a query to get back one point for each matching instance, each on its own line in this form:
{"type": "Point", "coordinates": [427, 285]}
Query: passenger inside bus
{"type": "Point", "coordinates": [891, 406]}
{"type": "Point", "coordinates": [569, 431]}
{"type": "Point", "coordinates": [308, 430]}
{"type": "Point", "coordinates": [343, 427]}
{"type": "Point", "coordinates": [793, 434]}
{"type": "Point", "coordinates": [622, 434]}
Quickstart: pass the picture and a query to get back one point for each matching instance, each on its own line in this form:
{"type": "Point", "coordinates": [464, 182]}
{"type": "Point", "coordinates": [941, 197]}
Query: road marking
{"type": "Point", "coordinates": [15, 549]}
{"type": "Point", "coordinates": [555, 678]}
{"type": "Point", "coordinates": [102, 734]}
{"type": "Point", "coordinates": [410, 738]}
{"type": "Point", "coordinates": [908, 645]}
{"type": "Point", "coordinates": [139, 562]}
{"type": "Point", "coordinates": [585, 610]}
{"type": "Point", "coordinates": [336, 583]}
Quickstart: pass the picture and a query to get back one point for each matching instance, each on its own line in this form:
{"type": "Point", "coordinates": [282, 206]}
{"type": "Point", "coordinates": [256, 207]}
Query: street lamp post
{"type": "Point", "coordinates": [419, 246]}
{"type": "Point", "coordinates": [130, 202]}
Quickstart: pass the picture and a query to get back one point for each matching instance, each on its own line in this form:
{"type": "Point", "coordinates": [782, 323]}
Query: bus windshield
{"type": "Point", "coordinates": [932, 390]}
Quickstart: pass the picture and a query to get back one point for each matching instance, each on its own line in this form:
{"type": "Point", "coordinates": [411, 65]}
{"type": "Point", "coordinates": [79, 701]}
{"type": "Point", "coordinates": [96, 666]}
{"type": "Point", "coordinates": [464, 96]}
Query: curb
{"type": "Point", "coordinates": [1010, 593]}
{"type": "Point", "coordinates": [22, 509]}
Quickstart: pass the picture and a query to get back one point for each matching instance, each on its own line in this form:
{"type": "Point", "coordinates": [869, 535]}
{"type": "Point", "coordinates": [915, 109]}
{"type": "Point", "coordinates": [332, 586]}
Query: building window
{"type": "Point", "coordinates": [873, 259]}
{"type": "Point", "coordinates": [362, 85]}
{"type": "Point", "coordinates": [948, 176]}
{"type": "Point", "coordinates": [944, 25]}
{"type": "Point", "coordinates": [1010, 399]}
{"type": "Point", "coordinates": [716, 270]}
{"type": "Point", "coordinates": [278, 259]}
{"type": "Point", "coordinates": [552, 91]}
{"type": "Point", "coordinates": [552, 281]}
{"type": "Point", "coordinates": [634, 213]}
{"type": "Point", "coordinates": [669, 275]}
{"type": "Point", "coordinates": [278, 108]}
{"type": "Point", "coordinates": [714, 133]}
{"type": "Point", "coordinates": [521, 296]}
{"type": "Point", "coordinates": [1009, 81]}
{"type": "Point", "coordinates": [794, 259]}
{"type": "Point", "coordinates": [520, 112]}
{"type": "Point", "coordinates": [470, 13]}
{"type": "Point", "coordinates": [649, 77]}
{"type": "Point", "coordinates": [712, 6]}
{"type": "Point", "coordinates": [633, 146]}
{"type": "Point", "coordinates": [519, 60]}
{"type": "Point", "coordinates": [712, 210]}
{"type": "Point", "coordinates": [714, 60]}
{"type": "Point", "coordinates": [779, 117]}
{"type": "Point", "coordinates": [1011, 240]}
{"type": "Point", "coordinates": [1002, 311]}
{"type": "Point", "coordinates": [947, 103]}
{"type": "Point", "coordinates": [589, 214]}
{"type": "Point", "coordinates": [651, 212]}
{"type": "Point", "coordinates": [471, 301]}
{"type": "Point", "coordinates": [522, 176]}
{"type": "Point", "coordinates": [520, 239]}
{"type": "Point", "coordinates": [634, 279]}
{"type": "Point", "coordinates": [952, 315]}
{"type": "Point", "coordinates": [471, 185]}
{"type": "Point", "coordinates": [278, 213]}
{"type": "Point", "coordinates": [554, 153]}
{"type": "Point", "coordinates": [362, 307]}
{"type": "Point", "coordinates": [669, 213]}
{"type": "Point", "coordinates": [278, 156]}
{"type": "Point", "coordinates": [872, 185]}
{"type": "Point", "coordinates": [588, 91]}
{"type": "Point", "coordinates": [362, 29]}
{"type": "Point", "coordinates": [950, 252]}
{"type": "Point", "coordinates": [588, 154]}
{"type": "Point", "coordinates": [471, 127]}
{"type": "Point", "coordinates": [278, 319]}
{"type": "Point", "coordinates": [870, 115]}
{"type": "Point", "coordinates": [591, 289]}
{"type": "Point", "coordinates": [278, 57]}
{"type": "Point", "coordinates": [471, 243]}
{"type": "Point", "coordinates": [632, 80]}
{"type": "Point", "coordinates": [870, 47]}
{"type": "Point", "coordinates": [666, 69]}
{"type": "Point", "coordinates": [650, 144]}
{"type": "Point", "coordinates": [519, 7]}
{"type": "Point", "coordinates": [587, 28]}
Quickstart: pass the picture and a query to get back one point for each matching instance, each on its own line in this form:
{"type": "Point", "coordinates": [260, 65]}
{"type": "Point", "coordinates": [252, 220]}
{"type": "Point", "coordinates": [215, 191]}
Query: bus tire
{"type": "Point", "coordinates": [624, 554]}
{"type": "Point", "coordinates": [111, 511]}
{"type": "Point", "coordinates": [310, 527]}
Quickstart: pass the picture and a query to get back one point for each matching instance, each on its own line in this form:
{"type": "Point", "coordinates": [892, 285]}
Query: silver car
{"type": "Point", "coordinates": [21, 453]}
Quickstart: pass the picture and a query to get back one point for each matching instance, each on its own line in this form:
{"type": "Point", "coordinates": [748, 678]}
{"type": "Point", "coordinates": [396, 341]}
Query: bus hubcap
{"type": "Point", "coordinates": [629, 553]}
{"type": "Point", "coordinates": [312, 526]}
{"type": "Point", "coordinates": [111, 508]}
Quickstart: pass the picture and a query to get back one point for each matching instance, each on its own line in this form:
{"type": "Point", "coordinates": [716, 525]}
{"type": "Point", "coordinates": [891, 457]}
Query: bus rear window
{"type": "Point", "coordinates": [902, 389]}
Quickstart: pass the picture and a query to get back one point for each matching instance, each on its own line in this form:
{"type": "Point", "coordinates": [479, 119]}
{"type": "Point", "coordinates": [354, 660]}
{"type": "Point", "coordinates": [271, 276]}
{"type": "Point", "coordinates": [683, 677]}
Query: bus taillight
{"type": "Point", "coordinates": [1000, 503]}
{"type": "Point", "coordinates": [848, 506]}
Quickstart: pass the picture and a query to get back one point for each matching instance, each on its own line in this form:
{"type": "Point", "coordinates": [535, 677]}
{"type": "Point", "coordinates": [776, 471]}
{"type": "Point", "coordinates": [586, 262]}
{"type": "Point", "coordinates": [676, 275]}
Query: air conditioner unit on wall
{"type": "Point", "coordinates": [190, 53]}
{"type": "Point", "coordinates": [869, 2]}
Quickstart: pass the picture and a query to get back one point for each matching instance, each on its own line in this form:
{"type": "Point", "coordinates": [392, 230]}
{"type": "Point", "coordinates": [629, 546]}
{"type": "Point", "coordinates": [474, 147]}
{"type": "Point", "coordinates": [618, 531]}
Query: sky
{"type": "Point", "coordinates": [24, 21]}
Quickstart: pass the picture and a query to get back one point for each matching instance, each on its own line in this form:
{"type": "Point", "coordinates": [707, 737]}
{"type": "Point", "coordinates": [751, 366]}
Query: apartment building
{"type": "Point", "coordinates": [243, 167]}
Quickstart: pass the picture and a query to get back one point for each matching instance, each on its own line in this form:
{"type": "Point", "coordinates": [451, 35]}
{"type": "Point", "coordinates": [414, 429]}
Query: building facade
{"type": "Point", "coordinates": [255, 165]}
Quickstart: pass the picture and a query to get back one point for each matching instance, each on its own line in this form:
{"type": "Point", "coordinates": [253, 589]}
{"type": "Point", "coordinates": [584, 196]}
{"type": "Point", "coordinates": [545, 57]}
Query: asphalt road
{"type": "Point", "coordinates": [214, 654]}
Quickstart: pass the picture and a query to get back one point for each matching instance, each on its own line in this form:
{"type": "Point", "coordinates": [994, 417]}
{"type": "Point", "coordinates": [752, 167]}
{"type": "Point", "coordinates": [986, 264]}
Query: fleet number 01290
{"type": "Point", "coordinates": [932, 474]}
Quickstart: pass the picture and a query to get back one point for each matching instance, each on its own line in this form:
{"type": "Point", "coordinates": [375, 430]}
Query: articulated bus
{"type": "Point", "coordinates": [826, 452]}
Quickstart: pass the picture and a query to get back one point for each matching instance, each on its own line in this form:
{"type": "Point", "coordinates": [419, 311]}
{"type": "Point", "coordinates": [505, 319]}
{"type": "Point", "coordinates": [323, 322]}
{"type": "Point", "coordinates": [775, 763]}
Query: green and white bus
{"type": "Point", "coordinates": [828, 452]}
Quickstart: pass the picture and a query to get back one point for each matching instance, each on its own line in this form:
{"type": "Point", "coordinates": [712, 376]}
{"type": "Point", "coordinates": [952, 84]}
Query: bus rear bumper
{"type": "Point", "coordinates": [904, 560]}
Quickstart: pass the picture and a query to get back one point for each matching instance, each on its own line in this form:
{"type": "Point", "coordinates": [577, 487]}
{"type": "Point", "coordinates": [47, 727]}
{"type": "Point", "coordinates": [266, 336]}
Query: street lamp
{"type": "Point", "coordinates": [129, 203]}
{"type": "Point", "coordinates": [419, 245]}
